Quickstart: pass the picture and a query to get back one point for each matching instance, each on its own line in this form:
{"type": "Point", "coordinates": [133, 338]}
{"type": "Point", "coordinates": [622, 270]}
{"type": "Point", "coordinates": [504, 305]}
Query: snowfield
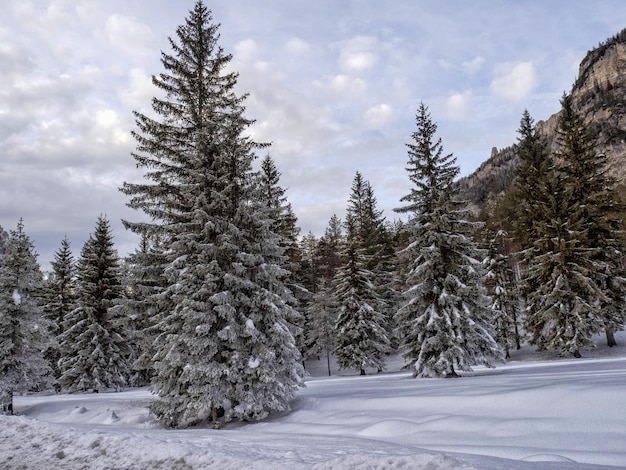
{"type": "Point", "coordinates": [532, 413]}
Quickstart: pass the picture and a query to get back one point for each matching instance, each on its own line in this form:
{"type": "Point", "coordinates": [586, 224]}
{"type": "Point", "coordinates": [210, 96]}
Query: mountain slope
{"type": "Point", "coordinates": [599, 95]}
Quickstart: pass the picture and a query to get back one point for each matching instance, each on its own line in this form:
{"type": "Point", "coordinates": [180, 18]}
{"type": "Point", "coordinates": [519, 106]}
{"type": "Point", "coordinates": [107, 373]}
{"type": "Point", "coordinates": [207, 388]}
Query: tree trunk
{"type": "Point", "coordinates": [216, 423]}
{"type": "Point", "coordinates": [507, 353]}
{"type": "Point", "coordinates": [362, 371]}
{"type": "Point", "coordinates": [610, 338]}
{"type": "Point", "coordinates": [517, 340]}
{"type": "Point", "coordinates": [577, 354]}
{"type": "Point", "coordinates": [328, 361]}
{"type": "Point", "coordinates": [6, 402]}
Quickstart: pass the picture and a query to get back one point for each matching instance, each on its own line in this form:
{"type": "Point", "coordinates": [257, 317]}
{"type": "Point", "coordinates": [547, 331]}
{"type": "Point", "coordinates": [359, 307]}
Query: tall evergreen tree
{"type": "Point", "coordinates": [576, 286]}
{"type": "Point", "coordinates": [535, 166]}
{"type": "Point", "coordinates": [144, 283]}
{"type": "Point", "coordinates": [93, 345]}
{"type": "Point", "coordinates": [61, 297]}
{"type": "Point", "coordinates": [382, 261]}
{"type": "Point", "coordinates": [322, 310]}
{"type": "Point", "coordinates": [227, 341]}
{"type": "Point", "coordinates": [500, 288]}
{"type": "Point", "coordinates": [283, 222]}
{"type": "Point", "coordinates": [4, 238]}
{"type": "Point", "coordinates": [361, 325]}
{"type": "Point", "coordinates": [444, 320]}
{"type": "Point", "coordinates": [23, 328]}
{"type": "Point", "coordinates": [280, 212]}
{"type": "Point", "coordinates": [596, 200]}
{"type": "Point", "coordinates": [361, 336]}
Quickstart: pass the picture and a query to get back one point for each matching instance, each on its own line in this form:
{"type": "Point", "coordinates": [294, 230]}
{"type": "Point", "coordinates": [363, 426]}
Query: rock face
{"type": "Point", "coordinates": [599, 95]}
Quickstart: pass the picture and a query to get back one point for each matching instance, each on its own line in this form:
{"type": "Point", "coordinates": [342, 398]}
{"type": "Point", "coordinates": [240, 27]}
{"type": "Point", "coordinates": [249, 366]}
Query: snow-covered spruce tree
{"type": "Point", "coordinates": [322, 312]}
{"type": "Point", "coordinates": [599, 206]}
{"type": "Point", "coordinates": [500, 288]}
{"type": "Point", "coordinates": [61, 297]}
{"type": "Point", "coordinates": [93, 346]}
{"type": "Point", "coordinates": [4, 238]}
{"type": "Point", "coordinates": [381, 260]}
{"type": "Point", "coordinates": [23, 328]}
{"type": "Point", "coordinates": [227, 341]}
{"type": "Point", "coordinates": [324, 259]}
{"type": "Point", "coordinates": [283, 222]}
{"type": "Point", "coordinates": [144, 283]}
{"type": "Point", "coordinates": [279, 209]}
{"type": "Point", "coordinates": [361, 335]}
{"type": "Point", "coordinates": [444, 322]}
{"type": "Point", "coordinates": [569, 272]}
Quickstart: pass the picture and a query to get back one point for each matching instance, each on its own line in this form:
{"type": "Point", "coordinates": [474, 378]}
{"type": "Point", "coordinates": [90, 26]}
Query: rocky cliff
{"type": "Point", "coordinates": [599, 94]}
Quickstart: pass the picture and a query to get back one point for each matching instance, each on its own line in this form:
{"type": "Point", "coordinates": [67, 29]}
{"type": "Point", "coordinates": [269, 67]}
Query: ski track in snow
{"type": "Point", "coordinates": [527, 414]}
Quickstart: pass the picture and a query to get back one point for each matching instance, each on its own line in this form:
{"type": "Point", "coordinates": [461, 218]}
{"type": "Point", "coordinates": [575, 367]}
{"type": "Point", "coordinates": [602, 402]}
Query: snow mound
{"type": "Point", "coordinates": [79, 410]}
{"type": "Point", "coordinates": [390, 427]}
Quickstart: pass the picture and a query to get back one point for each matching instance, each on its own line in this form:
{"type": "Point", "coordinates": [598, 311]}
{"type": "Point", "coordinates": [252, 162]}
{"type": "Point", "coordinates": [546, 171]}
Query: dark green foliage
{"type": "Point", "coordinates": [599, 209]}
{"type": "Point", "coordinates": [93, 345]}
{"type": "Point", "coordinates": [535, 166]}
{"type": "Point", "coordinates": [574, 286]}
{"type": "Point", "coordinates": [362, 337]}
{"type": "Point", "coordinates": [443, 324]}
{"type": "Point", "coordinates": [323, 261]}
{"type": "Point", "coordinates": [61, 297]}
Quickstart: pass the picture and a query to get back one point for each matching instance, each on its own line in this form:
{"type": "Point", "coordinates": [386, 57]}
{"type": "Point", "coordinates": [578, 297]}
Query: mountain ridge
{"type": "Point", "coordinates": [598, 94]}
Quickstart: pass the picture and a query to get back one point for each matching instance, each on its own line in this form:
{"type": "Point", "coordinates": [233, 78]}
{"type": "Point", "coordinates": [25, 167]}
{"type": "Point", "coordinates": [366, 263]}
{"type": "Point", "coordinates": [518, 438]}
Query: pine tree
{"type": "Point", "coordinates": [61, 297]}
{"type": "Point", "coordinates": [600, 208]}
{"type": "Point", "coordinates": [444, 320]}
{"type": "Point", "coordinates": [226, 340]}
{"type": "Point", "coordinates": [323, 261]}
{"type": "Point", "coordinates": [535, 166]}
{"type": "Point", "coordinates": [93, 345]}
{"type": "Point", "coordinates": [322, 313]}
{"type": "Point", "coordinates": [362, 336]}
{"type": "Point", "coordinates": [382, 261]}
{"type": "Point", "coordinates": [279, 209]}
{"type": "Point", "coordinates": [283, 222]}
{"type": "Point", "coordinates": [144, 283]}
{"type": "Point", "coordinates": [576, 284]}
{"type": "Point", "coordinates": [4, 238]}
{"type": "Point", "coordinates": [328, 252]}
{"type": "Point", "coordinates": [23, 328]}
{"type": "Point", "coordinates": [500, 288]}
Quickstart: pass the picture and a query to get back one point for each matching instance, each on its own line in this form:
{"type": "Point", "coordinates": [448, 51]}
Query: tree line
{"type": "Point", "coordinates": [223, 300]}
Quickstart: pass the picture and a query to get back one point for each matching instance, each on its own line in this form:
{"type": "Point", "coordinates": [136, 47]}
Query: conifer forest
{"type": "Point", "coordinates": [224, 300]}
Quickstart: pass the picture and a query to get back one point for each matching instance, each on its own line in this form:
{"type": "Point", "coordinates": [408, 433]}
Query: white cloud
{"type": "Point", "coordinates": [474, 66]}
{"type": "Point", "coordinates": [379, 115]}
{"type": "Point", "coordinates": [140, 89]}
{"type": "Point", "coordinates": [246, 50]}
{"type": "Point", "coordinates": [358, 54]}
{"type": "Point", "coordinates": [129, 35]}
{"type": "Point", "coordinates": [297, 46]}
{"type": "Point", "coordinates": [514, 81]}
{"type": "Point", "coordinates": [458, 105]}
{"type": "Point", "coordinates": [345, 84]}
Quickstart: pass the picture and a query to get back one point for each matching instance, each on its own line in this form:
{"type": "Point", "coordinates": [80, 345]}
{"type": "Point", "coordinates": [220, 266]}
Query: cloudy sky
{"type": "Point", "coordinates": [333, 84]}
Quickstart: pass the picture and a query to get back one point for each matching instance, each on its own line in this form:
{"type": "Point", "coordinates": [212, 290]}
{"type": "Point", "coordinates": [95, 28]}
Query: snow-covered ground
{"type": "Point", "coordinates": [532, 413]}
